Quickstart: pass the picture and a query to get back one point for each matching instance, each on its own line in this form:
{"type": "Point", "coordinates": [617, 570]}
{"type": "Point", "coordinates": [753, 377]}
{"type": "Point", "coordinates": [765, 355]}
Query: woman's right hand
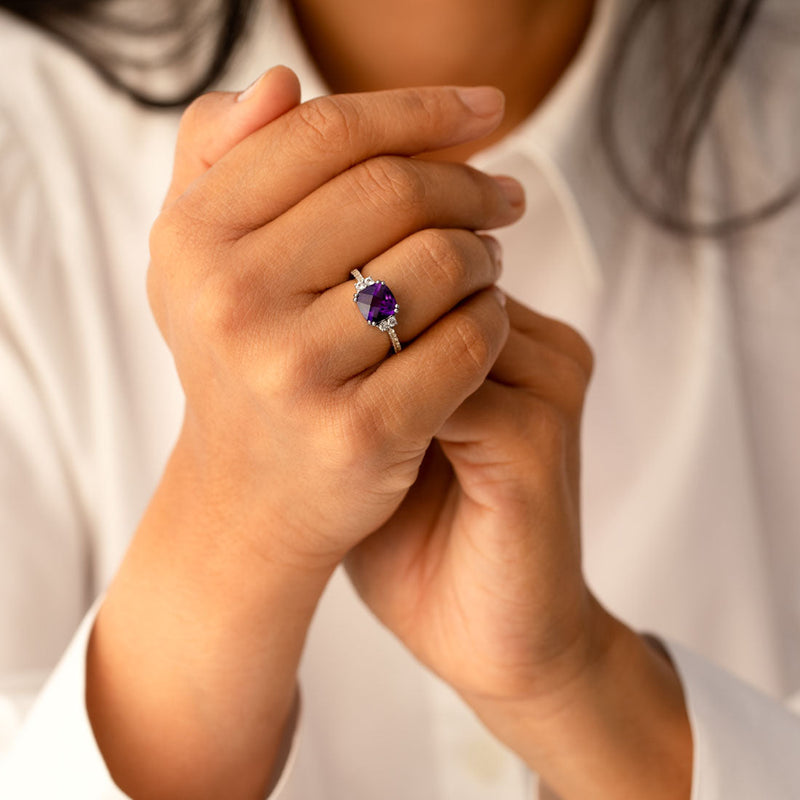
{"type": "Point", "coordinates": [300, 437]}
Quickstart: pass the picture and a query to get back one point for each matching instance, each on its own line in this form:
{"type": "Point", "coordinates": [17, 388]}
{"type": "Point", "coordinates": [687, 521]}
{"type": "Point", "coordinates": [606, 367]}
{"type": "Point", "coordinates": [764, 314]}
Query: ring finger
{"type": "Point", "coordinates": [428, 273]}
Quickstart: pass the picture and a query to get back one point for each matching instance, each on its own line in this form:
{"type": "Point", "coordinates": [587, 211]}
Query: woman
{"type": "Point", "coordinates": [445, 477]}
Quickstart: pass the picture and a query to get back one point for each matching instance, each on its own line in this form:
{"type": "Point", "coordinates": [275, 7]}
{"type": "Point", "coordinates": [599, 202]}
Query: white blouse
{"type": "Point", "coordinates": [691, 504]}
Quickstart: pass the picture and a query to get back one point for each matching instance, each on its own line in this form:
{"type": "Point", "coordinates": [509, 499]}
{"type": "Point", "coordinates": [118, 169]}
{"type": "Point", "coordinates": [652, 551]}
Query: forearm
{"type": "Point", "coordinates": [192, 663]}
{"type": "Point", "coordinates": [619, 730]}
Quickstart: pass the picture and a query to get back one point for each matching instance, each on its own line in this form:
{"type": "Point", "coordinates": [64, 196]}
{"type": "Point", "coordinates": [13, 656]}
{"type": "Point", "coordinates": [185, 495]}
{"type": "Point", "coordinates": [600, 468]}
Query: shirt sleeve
{"type": "Point", "coordinates": [746, 744]}
{"type": "Point", "coordinates": [47, 747]}
{"type": "Point", "coordinates": [54, 753]}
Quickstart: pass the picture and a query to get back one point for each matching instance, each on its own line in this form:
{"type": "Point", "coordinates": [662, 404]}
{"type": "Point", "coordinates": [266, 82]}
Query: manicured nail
{"type": "Point", "coordinates": [250, 90]}
{"type": "Point", "coordinates": [484, 101]}
{"type": "Point", "coordinates": [512, 189]}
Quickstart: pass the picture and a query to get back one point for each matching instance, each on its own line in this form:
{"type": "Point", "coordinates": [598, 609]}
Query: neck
{"type": "Point", "coordinates": [520, 46]}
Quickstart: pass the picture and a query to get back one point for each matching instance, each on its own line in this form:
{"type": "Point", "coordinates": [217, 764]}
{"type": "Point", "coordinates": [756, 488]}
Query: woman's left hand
{"type": "Point", "coordinates": [479, 574]}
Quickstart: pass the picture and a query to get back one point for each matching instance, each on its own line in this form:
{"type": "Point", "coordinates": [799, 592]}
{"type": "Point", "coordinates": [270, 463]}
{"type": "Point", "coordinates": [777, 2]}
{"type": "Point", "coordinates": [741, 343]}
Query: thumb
{"type": "Point", "coordinates": [216, 122]}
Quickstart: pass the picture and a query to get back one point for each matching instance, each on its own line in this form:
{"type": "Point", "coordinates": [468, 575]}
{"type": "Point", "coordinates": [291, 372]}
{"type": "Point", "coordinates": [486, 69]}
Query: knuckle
{"type": "Point", "coordinates": [211, 310]}
{"type": "Point", "coordinates": [351, 451]}
{"type": "Point", "coordinates": [389, 451]}
{"type": "Point", "coordinates": [558, 336]}
{"type": "Point", "coordinates": [426, 107]}
{"type": "Point", "coordinates": [286, 373]}
{"type": "Point", "coordinates": [481, 191]}
{"type": "Point", "coordinates": [471, 343]}
{"type": "Point", "coordinates": [392, 183]}
{"type": "Point", "coordinates": [163, 235]}
{"type": "Point", "coordinates": [325, 123]}
{"type": "Point", "coordinates": [300, 359]}
{"type": "Point", "coordinates": [225, 305]}
{"type": "Point", "coordinates": [575, 347]}
{"type": "Point", "coordinates": [194, 114]}
{"type": "Point", "coordinates": [560, 380]}
{"type": "Point", "coordinates": [439, 255]}
{"type": "Point", "coordinates": [170, 246]}
{"type": "Point", "coordinates": [182, 227]}
{"type": "Point", "coordinates": [199, 123]}
{"type": "Point", "coordinates": [547, 430]}
{"type": "Point", "coordinates": [183, 261]}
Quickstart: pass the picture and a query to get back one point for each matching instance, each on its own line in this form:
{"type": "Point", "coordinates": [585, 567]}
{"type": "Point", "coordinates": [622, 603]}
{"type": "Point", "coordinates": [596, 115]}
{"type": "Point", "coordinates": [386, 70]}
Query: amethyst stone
{"type": "Point", "coordinates": [376, 303]}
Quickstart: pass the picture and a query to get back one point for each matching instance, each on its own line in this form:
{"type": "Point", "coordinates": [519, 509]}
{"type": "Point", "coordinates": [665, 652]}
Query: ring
{"type": "Point", "coordinates": [377, 305]}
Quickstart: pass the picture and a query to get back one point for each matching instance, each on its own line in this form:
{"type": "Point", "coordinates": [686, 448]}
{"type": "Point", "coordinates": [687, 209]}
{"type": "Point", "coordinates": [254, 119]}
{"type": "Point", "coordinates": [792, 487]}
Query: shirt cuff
{"type": "Point", "coordinates": [746, 743]}
{"type": "Point", "coordinates": [55, 753]}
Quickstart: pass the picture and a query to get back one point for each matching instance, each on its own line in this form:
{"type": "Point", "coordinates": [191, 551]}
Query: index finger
{"type": "Point", "coordinates": [278, 165]}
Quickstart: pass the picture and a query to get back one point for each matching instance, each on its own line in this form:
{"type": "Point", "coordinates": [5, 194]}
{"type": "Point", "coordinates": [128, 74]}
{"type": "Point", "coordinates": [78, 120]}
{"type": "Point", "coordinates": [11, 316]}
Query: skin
{"type": "Point", "coordinates": [470, 549]}
{"type": "Point", "coordinates": [524, 47]}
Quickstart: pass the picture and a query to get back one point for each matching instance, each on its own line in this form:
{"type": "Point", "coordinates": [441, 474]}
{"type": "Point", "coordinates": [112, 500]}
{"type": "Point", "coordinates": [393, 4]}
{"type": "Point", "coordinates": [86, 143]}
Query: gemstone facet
{"type": "Point", "coordinates": [376, 302]}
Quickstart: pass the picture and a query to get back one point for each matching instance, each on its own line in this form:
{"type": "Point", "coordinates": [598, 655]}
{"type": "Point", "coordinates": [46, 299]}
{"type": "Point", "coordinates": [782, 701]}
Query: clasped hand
{"type": "Point", "coordinates": [446, 477]}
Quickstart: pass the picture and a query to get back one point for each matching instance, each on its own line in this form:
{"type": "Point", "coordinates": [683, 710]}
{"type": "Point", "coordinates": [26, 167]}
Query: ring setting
{"type": "Point", "coordinates": [377, 305]}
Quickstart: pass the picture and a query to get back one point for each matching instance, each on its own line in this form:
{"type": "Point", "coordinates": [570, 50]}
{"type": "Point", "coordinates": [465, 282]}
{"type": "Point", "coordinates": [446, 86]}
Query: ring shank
{"type": "Point", "coordinates": [395, 341]}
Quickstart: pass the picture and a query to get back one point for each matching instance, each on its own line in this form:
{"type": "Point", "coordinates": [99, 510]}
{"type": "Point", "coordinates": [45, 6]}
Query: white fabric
{"type": "Point", "coordinates": [691, 442]}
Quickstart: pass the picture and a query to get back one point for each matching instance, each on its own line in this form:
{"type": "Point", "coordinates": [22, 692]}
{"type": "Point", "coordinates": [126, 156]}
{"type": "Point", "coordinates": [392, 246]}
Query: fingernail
{"type": "Point", "coordinates": [484, 101]}
{"type": "Point", "coordinates": [250, 90]}
{"type": "Point", "coordinates": [512, 189]}
{"type": "Point", "coordinates": [501, 297]}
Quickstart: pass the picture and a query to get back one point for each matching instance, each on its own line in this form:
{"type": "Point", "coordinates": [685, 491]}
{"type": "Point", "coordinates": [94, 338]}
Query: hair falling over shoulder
{"type": "Point", "coordinates": [657, 109]}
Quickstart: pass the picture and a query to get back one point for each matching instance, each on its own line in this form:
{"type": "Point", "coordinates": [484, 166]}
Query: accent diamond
{"type": "Point", "coordinates": [363, 283]}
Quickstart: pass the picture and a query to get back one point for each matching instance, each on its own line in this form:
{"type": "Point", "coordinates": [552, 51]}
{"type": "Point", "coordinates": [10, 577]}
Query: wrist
{"type": "Point", "coordinates": [191, 669]}
{"type": "Point", "coordinates": [617, 728]}
{"type": "Point", "coordinates": [236, 511]}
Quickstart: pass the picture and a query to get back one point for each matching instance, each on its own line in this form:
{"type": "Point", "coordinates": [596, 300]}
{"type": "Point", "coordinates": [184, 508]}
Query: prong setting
{"type": "Point", "coordinates": [377, 305]}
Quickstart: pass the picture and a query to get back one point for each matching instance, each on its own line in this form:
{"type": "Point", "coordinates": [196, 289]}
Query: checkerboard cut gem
{"type": "Point", "coordinates": [376, 302]}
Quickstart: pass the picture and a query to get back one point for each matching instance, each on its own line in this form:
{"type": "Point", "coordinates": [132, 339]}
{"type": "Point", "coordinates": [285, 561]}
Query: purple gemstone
{"type": "Point", "coordinates": [376, 302]}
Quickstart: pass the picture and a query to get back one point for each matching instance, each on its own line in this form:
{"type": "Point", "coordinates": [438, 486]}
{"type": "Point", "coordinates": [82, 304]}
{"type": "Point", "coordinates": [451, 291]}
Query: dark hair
{"type": "Point", "coordinates": [179, 32]}
{"type": "Point", "coordinates": [651, 147]}
{"type": "Point", "coordinates": [654, 122]}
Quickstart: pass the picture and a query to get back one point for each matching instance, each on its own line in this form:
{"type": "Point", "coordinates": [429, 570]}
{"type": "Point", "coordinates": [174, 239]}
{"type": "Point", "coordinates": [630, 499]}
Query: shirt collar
{"type": "Point", "coordinates": [565, 121]}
